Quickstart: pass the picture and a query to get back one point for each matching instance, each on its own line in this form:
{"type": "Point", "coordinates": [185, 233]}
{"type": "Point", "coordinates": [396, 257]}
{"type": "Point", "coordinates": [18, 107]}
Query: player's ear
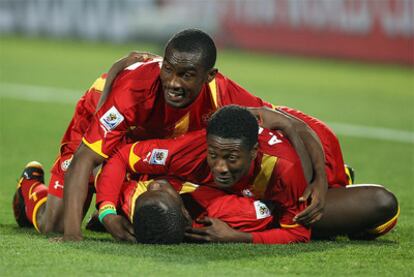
{"type": "Point", "coordinates": [254, 150]}
{"type": "Point", "coordinates": [211, 74]}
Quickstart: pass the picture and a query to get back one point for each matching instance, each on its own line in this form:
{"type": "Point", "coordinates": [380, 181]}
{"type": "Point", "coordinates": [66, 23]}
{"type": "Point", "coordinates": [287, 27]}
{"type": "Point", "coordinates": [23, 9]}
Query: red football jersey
{"type": "Point", "coordinates": [136, 110]}
{"type": "Point", "coordinates": [275, 175]}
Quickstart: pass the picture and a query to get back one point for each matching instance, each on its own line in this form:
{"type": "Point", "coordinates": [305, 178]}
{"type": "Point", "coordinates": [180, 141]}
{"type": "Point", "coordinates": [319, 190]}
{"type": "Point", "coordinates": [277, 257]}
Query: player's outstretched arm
{"type": "Point", "coordinates": [217, 230]}
{"type": "Point", "coordinates": [76, 189]}
{"type": "Point", "coordinates": [293, 127]}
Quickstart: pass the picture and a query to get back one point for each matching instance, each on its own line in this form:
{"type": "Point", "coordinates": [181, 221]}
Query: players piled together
{"type": "Point", "coordinates": [177, 152]}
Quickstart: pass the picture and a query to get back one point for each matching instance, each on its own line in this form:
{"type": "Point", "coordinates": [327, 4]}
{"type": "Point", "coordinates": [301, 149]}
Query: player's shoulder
{"type": "Point", "coordinates": [139, 76]}
{"type": "Point", "coordinates": [273, 143]}
{"type": "Point", "coordinates": [136, 87]}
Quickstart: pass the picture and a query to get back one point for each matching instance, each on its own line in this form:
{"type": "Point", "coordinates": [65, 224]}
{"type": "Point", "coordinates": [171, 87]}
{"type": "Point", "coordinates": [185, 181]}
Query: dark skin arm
{"type": "Point", "coordinates": [318, 185]}
{"type": "Point", "coordinates": [76, 189]}
{"type": "Point", "coordinates": [216, 230]}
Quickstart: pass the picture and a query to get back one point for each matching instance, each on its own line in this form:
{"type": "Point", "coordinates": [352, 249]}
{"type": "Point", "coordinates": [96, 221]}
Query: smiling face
{"type": "Point", "coordinates": [183, 76]}
{"type": "Point", "coordinates": [229, 160]}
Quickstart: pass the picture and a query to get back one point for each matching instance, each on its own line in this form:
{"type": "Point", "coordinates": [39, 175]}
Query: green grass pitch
{"type": "Point", "coordinates": [344, 92]}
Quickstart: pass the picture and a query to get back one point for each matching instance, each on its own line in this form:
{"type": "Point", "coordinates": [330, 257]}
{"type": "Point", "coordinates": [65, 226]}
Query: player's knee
{"type": "Point", "coordinates": [386, 203]}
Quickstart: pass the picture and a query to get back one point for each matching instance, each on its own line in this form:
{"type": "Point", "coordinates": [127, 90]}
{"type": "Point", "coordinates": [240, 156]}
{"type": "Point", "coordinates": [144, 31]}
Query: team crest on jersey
{"type": "Point", "coordinates": [159, 156]}
{"type": "Point", "coordinates": [111, 119]}
{"type": "Point", "coordinates": [65, 164]}
{"type": "Point", "coordinates": [262, 211]}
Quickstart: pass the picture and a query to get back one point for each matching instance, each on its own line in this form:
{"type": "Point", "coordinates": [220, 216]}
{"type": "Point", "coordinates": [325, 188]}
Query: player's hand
{"type": "Point", "coordinates": [271, 119]}
{"type": "Point", "coordinates": [316, 191]}
{"type": "Point", "coordinates": [120, 228]}
{"type": "Point", "coordinates": [216, 231]}
{"type": "Point", "coordinates": [126, 61]}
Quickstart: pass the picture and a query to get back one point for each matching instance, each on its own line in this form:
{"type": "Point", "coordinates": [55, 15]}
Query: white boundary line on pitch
{"type": "Point", "coordinates": [70, 96]}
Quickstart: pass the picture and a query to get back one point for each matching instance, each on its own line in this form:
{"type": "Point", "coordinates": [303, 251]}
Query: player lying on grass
{"type": "Point", "coordinates": [233, 158]}
{"type": "Point", "coordinates": [147, 100]}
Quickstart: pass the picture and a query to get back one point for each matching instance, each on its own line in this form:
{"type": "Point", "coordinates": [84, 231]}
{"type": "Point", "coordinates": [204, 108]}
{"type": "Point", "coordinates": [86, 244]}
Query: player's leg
{"type": "Point", "coordinates": [359, 211]}
{"type": "Point", "coordinates": [30, 196]}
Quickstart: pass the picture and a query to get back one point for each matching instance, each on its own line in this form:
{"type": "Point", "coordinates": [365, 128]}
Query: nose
{"type": "Point", "coordinates": [220, 167]}
{"type": "Point", "coordinates": [174, 82]}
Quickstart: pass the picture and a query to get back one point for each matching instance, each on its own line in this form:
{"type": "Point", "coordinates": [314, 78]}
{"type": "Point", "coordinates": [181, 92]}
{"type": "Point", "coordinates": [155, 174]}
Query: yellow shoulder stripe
{"type": "Point", "coordinates": [133, 159]}
{"type": "Point", "coordinates": [262, 179]}
{"type": "Point", "coordinates": [213, 91]}
{"type": "Point", "coordinates": [99, 84]}
{"type": "Point", "coordinates": [95, 147]}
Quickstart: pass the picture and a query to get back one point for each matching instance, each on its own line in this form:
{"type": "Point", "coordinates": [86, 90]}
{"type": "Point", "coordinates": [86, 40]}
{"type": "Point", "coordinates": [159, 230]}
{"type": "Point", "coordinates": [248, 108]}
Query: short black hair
{"type": "Point", "coordinates": [193, 41]}
{"type": "Point", "coordinates": [157, 221]}
{"type": "Point", "coordinates": [234, 122]}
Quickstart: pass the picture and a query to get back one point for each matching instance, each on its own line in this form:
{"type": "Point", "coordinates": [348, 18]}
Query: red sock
{"type": "Point", "coordinates": [35, 195]}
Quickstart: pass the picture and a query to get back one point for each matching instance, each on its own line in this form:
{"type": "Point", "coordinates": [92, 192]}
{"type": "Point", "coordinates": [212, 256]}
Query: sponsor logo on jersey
{"type": "Point", "coordinates": [111, 119]}
{"type": "Point", "coordinates": [65, 164]}
{"type": "Point", "coordinates": [262, 211]}
{"type": "Point", "coordinates": [159, 156]}
{"type": "Point", "coordinates": [57, 185]}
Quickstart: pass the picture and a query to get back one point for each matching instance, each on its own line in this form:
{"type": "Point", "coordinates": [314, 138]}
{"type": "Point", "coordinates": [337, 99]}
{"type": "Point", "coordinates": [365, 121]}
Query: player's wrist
{"type": "Point", "coordinates": [242, 237]}
{"type": "Point", "coordinates": [106, 209]}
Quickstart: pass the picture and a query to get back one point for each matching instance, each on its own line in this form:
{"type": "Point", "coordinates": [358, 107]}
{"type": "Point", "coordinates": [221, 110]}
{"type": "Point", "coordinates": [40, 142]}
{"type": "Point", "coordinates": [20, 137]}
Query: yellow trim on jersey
{"type": "Point", "coordinates": [140, 188]}
{"type": "Point", "coordinates": [380, 229]}
{"type": "Point", "coordinates": [99, 84]}
{"type": "Point", "coordinates": [133, 159]}
{"type": "Point", "coordinates": [348, 174]}
{"type": "Point", "coordinates": [19, 183]}
{"type": "Point", "coordinates": [213, 90]}
{"type": "Point", "coordinates": [181, 127]}
{"type": "Point", "coordinates": [262, 179]}
{"type": "Point", "coordinates": [95, 147]}
{"type": "Point", "coordinates": [274, 107]}
{"type": "Point", "coordinates": [188, 188]}
{"type": "Point", "coordinates": [287, 226]}
{"type": "Point", "coordinates": [95, 180]}
{"type": "Point", "coordinates": [36, 208]}
{"type": "Point", "coordinates": [33, 195]}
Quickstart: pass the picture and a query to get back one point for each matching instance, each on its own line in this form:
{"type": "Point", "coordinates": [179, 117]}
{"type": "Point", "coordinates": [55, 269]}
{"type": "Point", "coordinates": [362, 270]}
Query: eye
{"type": "Point", "coordinates": [188, 75]}
{"type": "Point", "coordinates": [212, 155]}
{"type": "Point", "coordinates": [233, 158]}
{"type": "Point", "coordinates": [167, 68]}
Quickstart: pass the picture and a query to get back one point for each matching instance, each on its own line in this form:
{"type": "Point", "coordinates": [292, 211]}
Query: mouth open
{"type": "Point", "coordinates": [175, 95]}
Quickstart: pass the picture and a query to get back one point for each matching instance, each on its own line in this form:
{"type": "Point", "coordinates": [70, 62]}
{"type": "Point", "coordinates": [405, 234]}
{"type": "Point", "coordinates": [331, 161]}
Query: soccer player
{"type": "Point", "coordinates": [158, 100]}
{"type": "Point", "coordinates": [39, 206]}
{"type": "Point", "coordinates": [363, 211]}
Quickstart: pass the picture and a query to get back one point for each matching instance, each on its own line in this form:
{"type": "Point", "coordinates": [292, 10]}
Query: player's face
{"type": "Point", "coordinates": [182, 77]}
{"type": "Point", "coordinates": [229, 160]}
